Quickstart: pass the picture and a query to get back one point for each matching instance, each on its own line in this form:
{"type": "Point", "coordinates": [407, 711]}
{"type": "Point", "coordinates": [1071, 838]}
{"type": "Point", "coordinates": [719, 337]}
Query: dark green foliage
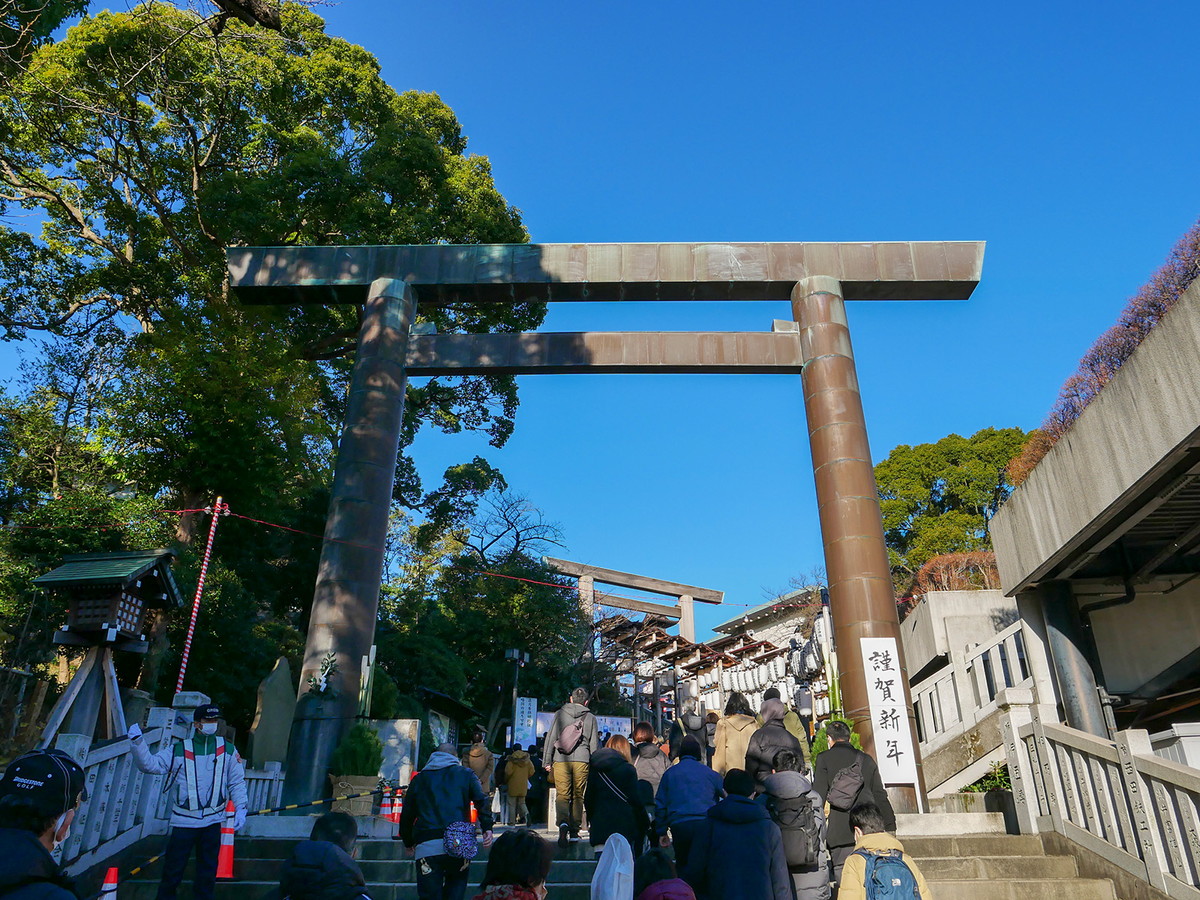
{"type": "Point", "coordinates": [143, 144]}
{"type": "Point", "coordinates": [938, 498]}
{"type": "Point", "coordinates": [385, 696]}
{"type": "Point", "coordinates": [821, 740]}
{"type": "Point", "coordinates": [997, 779]}
{"type": "Point", "coordinates": [359, 753]}
{"type": "Point", "coordinates": [447, 623]}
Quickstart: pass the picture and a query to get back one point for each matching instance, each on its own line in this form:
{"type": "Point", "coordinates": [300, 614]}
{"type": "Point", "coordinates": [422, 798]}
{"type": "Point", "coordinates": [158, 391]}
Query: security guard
{"type": "Point", "coordinates": [206, 771]}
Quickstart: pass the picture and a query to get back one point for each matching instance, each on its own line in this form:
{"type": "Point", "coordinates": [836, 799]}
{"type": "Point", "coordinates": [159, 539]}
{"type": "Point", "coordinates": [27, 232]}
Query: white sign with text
{"type": "Point", "coordinates": [885, 696]}
{"type": "Point", "coordinates": [525, 732]}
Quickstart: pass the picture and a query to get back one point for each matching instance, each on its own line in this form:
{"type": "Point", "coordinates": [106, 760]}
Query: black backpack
{"type": "Point", "coordinates": [797, 821]}
{"type": "Point", "coordinates": [846, 785]}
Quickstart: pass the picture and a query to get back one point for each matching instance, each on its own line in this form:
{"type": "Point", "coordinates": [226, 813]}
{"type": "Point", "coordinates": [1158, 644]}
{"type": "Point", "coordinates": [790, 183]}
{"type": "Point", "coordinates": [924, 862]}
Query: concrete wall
{"type": "Point", "coordinates": [1138, 640]}
{"type": "Point", "coordinates": [952, 620]}
{"type": "Point", "coordinates": [1149, 408]}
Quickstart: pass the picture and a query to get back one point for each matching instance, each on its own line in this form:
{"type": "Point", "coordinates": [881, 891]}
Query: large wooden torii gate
{"type": "Point", "coordinates": [390, 281]}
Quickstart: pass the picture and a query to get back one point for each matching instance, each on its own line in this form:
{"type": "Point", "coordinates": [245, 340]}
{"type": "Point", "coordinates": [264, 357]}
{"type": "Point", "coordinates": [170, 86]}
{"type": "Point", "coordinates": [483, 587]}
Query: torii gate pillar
{"type": "Point", "coordinates": [856, 560]}
{"type": "Point", "coordinates": [346, 596]}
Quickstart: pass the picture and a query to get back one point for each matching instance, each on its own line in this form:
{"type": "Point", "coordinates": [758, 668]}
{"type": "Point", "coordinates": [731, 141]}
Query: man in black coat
{"type": "Point", "coordinates": [841, 755]}
{"type": "Point", "coordinates": [39, 795]}
{"type": "Point", "coordinates": [738, 851]}
{"type": "Point", "coordinates": [689, 724]}
{"type": "Point", "coordinates": [768, 741]}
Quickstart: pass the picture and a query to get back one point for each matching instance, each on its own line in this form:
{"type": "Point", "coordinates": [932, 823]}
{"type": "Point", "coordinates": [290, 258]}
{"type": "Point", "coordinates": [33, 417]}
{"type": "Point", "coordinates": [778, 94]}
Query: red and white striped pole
{"type": "Point", "coordinates": [218, 509]}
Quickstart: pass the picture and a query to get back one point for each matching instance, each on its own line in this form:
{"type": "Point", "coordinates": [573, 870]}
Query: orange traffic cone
{"type": "Point", "coordinates": [474, 814]}
{"type": "Point", "coordinates": [225, 858]}
{"type": "Point", "coordinates": [109, 891]}
{"type": "Point", "coordinates": [398, 806]}
{"type": "Point", "coordinates": [385, 805]}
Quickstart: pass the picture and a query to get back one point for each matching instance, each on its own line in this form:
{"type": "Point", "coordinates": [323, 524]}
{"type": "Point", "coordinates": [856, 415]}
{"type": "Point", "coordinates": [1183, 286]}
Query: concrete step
{"type": "Point", "coordinates": [959, 868]}
{"type": "Point", "coordinates": [974, 845]}
{"type": "Point", "coordinates": [1026, 889]}
{"type": "Point", "coordinates": [263, 890]}
{"type": "Point", "coordinates": [374, 849]}
{"type": "Point", "coordinates": [934, 823]}
{"type": "Point", "coordinates": [391, 871]}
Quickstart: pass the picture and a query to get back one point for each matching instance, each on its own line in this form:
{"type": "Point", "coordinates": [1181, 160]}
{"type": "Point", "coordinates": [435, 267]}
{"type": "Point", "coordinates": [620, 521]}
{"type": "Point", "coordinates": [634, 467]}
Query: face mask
{"type": "Point", "coordinates": [58, 826]}
{"type": "Point", "coordinates": [208, 728]}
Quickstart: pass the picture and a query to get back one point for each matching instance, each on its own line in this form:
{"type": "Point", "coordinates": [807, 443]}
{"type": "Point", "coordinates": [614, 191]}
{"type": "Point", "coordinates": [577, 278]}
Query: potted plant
{"type": "Point", "coordinates": [354, 769]}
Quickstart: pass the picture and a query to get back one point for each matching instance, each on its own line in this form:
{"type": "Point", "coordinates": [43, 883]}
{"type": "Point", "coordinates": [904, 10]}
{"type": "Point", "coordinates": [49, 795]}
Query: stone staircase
{"type": "Point", "coordinates": [959, 866]}
{"type": "Point", "coordinates": [1001, 867]}
{"type": "Point", "coordinates": [389, 871]}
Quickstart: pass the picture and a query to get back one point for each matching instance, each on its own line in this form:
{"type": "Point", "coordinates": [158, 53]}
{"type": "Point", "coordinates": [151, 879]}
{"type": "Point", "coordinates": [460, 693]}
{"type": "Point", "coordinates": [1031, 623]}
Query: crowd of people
{"type": "Point", "coordinates": [724, 810]}
{"type": "Point", "coordinates": [722, 807]}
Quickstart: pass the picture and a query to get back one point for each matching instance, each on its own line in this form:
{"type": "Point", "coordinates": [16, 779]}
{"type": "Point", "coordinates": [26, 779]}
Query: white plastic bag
{"type": "Point", "coordinates": [613, 879]}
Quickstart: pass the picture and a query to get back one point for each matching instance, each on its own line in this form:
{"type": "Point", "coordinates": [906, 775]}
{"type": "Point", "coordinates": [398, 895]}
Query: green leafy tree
{"type": "Point", "coordinates": [453, 609]}
{"type": "Point", "coordinates": [144, 144]}
{"type": "Point", "coordinates": [938, 498]}
{"type": "Point", "coordinates": [27, 24]}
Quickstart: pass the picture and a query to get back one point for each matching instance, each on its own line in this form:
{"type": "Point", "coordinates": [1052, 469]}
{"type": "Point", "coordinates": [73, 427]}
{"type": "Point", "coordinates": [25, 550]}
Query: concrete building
{"type": "Point", "coordinates": [1100, 546]}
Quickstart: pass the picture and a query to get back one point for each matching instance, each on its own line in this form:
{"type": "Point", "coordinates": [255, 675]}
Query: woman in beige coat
{"type": "Point", "coordinates": [733, 734]}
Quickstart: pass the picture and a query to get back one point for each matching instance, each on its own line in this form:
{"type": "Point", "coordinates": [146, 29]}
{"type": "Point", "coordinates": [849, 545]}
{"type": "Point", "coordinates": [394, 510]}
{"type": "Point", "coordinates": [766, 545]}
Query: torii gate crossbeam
{"type": "Point", "coordinates": [816, 277]}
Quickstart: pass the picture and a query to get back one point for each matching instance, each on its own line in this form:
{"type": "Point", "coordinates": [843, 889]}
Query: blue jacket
{"type": "Point", "coordinates": [738, 852]}
{"type": "Point", "coordinates": [687, 791]}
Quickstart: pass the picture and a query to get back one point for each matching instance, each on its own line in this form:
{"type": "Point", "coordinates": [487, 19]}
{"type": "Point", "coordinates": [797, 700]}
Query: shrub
{"type": "Point", "coordinates": [821, 742]}
{"type": "Point", "coordinates": [360, 753]}
{"type": "Point", "coordinates": [1105, 357]}
{"type": "Point", "coordinates": [995, 780]}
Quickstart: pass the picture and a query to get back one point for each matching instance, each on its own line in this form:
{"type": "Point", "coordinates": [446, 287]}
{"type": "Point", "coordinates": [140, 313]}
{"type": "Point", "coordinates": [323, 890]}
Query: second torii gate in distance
{"type": "Point", "coordinates": [816, 277]}
{"type": "Point", "coordinates": [686, 595]}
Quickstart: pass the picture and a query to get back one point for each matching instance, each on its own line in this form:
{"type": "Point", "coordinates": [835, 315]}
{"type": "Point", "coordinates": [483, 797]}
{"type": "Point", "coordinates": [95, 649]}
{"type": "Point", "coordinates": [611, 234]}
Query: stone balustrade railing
{"type": "Point", "coordinates": [1115, 798]}
{"type": "Point", "coordinates": [955, 699]}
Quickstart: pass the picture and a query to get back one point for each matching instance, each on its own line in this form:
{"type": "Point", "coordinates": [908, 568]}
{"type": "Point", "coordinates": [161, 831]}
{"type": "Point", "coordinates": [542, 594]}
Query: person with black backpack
{"type": "Point", "coordinates": [845, 776]}
{"type": "Point", "coordinates": [570, 743]}
{"type": "Point", "coordinates": [768, 741]}
{"type": "Point", "coordinates": [878, 868]}
{"type": "Point", "coordinates": [798, 811]}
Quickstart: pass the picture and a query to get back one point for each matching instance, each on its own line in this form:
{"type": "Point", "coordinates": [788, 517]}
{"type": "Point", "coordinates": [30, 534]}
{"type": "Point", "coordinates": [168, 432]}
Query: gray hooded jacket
{"type": "Point", "coordinates": [587, 746]}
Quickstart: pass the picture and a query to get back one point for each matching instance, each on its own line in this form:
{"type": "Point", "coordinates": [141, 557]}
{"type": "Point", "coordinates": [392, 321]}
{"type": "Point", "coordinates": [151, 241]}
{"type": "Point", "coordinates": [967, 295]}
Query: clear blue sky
{"type": "Point", "coordinates": [1064, 135]}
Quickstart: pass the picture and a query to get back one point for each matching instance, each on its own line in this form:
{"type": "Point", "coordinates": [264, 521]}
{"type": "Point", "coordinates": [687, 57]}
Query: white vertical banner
{"type": "Point", "coordinates": [889, 719]}
{"type": "Point", "coordinates": [525, 728]}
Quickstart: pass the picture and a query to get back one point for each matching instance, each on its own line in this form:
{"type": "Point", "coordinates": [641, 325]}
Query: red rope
{"type": "Point", "coordinates": [600, 596]}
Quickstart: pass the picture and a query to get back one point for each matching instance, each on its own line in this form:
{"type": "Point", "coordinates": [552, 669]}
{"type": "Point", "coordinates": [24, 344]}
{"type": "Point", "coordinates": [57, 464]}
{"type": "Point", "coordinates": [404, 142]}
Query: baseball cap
{"type": "Point", "coordinates": [49, 780]}
{"type": "Point", "coordinates": [208, 711]}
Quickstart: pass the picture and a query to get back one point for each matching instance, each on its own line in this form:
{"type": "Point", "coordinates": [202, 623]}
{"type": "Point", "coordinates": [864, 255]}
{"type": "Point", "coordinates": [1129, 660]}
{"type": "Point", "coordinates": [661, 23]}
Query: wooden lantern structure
{"type": "Point", "coordinates": [109, 596]}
